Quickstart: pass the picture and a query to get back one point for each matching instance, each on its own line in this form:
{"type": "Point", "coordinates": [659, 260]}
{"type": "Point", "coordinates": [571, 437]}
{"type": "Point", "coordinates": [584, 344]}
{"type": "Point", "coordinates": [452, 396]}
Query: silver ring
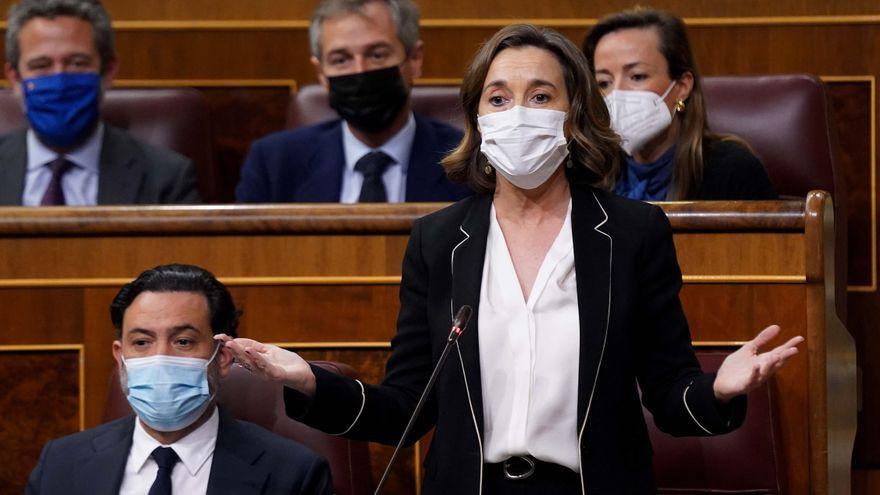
{"type": "Point", "coordinates": [521, 476]}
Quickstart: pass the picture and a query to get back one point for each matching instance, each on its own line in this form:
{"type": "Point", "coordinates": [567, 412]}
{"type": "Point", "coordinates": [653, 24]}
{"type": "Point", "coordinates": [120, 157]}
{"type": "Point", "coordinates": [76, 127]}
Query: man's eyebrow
{"type": "Point", "coordinates": [338, 51]}
{"type": "Point", "coordinates": [39, 59]}
{"type": "Point", "coordinates": [174, 330]}
{"type": "Point", "coordinates": [79, 55]}
{"type": "Point", "coordinates": [183, 328]}
{"type": "Point", "coordinates": [378, 44]}
{"type": "Point", "coordinates": [344, 50]}
{"type": "Point", "coordinates": [144, 331]}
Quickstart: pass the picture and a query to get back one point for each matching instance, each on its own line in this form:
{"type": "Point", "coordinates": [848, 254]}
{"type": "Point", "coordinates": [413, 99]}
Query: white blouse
{"type": "Point", "coordinates": [529, 354]}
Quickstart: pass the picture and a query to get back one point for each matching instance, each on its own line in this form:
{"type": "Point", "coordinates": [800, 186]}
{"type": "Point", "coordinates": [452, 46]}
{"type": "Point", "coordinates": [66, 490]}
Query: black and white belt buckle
{"type": "Point", "coordinates": [519, 467]}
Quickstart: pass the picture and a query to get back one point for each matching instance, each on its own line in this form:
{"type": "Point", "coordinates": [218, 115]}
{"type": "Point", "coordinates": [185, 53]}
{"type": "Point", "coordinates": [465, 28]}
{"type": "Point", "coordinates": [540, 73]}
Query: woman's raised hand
{"type": "Point", "coordinates": [271, 362]}
{"type": "Point", "coordinates": [748, 368]}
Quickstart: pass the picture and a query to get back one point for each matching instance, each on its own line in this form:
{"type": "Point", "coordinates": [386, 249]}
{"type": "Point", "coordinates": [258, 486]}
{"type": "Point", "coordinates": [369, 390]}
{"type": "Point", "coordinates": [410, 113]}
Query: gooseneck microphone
{"type": "Point", "coordinates": [459, 323]}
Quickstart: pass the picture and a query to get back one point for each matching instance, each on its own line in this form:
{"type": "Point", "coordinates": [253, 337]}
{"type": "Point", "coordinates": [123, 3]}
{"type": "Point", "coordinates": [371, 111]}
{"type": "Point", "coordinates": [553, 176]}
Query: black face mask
{"type": "Point", "coordinates": [368, 101]}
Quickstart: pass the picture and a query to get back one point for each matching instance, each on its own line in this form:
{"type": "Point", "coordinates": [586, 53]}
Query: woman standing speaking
{"type": "Point", "coordinates": [575, 293]}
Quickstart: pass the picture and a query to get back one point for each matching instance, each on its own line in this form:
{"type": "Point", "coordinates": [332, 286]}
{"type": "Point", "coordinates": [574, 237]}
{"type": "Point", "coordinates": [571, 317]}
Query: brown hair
{"type": "Point", "coordinates": [693, 130]}
{"type": "Point", "coordinates": [593, 146]}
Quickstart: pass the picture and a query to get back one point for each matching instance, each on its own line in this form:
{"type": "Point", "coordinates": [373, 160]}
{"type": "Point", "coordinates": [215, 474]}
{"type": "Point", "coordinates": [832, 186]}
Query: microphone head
{"type": "Point", "coordinates": [462, 317]}
{"type": "Point", "coordinates": [459, 323]}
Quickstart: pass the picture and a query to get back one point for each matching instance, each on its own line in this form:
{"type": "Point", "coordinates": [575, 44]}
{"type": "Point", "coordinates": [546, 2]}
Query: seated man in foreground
{"type": "Point", "coordinates": [367, 54]}
{"type": "Point", "coordinates": [180, 441]}
{"type": "Point", "coordinates": [60, 59]}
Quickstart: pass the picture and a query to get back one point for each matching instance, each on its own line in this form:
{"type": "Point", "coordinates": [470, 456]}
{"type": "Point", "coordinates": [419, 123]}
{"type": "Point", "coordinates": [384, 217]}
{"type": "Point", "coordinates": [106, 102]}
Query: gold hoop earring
{"type": "Point", "coordinates": [488, 169]}
{"type": "Point", "coordinates": [679, 106]}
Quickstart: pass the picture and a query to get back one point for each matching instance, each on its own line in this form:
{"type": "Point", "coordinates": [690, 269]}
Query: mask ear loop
{"type": "Point", "coordinates": [217, 345]}
{"type": "Point", "coordinates": [679, 105]}
{"type": "Point", "coordinates": [213, 396]}
{"type": "Point", "coordinates": [568, 141]}
{"type": "Point", "coordinates": [666, 93]}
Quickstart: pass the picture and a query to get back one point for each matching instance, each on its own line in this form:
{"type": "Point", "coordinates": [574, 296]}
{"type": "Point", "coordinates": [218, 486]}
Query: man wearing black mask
{"type": "Point", "coordinates": [367, 54]}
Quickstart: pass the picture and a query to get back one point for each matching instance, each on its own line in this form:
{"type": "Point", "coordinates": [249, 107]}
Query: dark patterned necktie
{"type": "Point", "coordinates": [372, 166]}
{"type": "Point", "coordinates": [166, 458]}
{"type": "Point", "coordinates": [54, 195]}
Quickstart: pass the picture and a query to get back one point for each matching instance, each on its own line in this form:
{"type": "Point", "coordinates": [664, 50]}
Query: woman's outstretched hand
{"type": "Point", "coordinates": [748, 367]}
{"type": "Point", "coordinates": [271, 362]}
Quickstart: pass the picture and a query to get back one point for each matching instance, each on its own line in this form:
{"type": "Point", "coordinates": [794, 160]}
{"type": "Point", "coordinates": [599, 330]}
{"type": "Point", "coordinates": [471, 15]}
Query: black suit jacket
{"type": "Point", "coordinates": [248, 460]}
{"type": "Point", "coordinates": [732, 172]}
{"type": "Point", "coordinates": [305, 165]}
{"type": "Point", "coordinates": [131, 171]}
{"type": "Point", "coordinates": [632, 332]}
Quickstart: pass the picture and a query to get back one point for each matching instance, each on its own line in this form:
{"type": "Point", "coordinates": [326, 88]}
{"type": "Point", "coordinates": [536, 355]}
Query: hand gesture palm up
{"type": "Point", "coordinates": [748, 367]}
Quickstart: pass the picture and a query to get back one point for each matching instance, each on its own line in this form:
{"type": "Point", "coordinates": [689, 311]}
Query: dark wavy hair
{"type": "Point", "coordinates": [593, 146]}
{"type": "Point", "coordinates": [180, 278]}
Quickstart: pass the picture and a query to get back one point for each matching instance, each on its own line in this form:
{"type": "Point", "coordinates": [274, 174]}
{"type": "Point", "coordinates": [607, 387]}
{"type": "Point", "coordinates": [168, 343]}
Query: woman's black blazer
{"type": "Point", "coordinates": [633, 336]}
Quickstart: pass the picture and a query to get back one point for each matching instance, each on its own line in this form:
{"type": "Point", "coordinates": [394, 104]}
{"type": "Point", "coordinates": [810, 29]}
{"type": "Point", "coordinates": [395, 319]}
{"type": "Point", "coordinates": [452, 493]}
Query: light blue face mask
{"type": "Point", "coordinates": [168, 393]}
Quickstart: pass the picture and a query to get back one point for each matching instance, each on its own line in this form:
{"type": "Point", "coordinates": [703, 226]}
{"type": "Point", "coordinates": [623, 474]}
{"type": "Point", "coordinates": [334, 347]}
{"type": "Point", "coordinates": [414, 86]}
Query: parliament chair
{"type": "Point", "coordinates": [743, 462]}
{"type": "Point", "coordinates": [251, 398]}
{"type": "Point", "coordinates": [310, 105]}
{"type": "Point", "coordinates": [785, 119]}
{"type": "Point", "coordinates": [173, 118]}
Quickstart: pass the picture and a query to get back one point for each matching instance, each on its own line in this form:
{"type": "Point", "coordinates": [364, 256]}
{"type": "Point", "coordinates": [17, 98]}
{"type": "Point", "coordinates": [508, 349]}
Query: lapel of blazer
{"type": "Point", "coordinates": [466, 262]}
{"type": "Point", "coordinates": [322, 179]}
{"type": "Point", "coordinates": [235, 468]}
{"type": "Point", "coordinates": [119, 173]}
{"type": "Point", "coordinates": [101, 474]}
{"type": "Point", "coordinates": [424, 175]}
{"type": "Point", "coordinates": [593, 265]}
{"type": "Point", "coordinates": [13, 165]}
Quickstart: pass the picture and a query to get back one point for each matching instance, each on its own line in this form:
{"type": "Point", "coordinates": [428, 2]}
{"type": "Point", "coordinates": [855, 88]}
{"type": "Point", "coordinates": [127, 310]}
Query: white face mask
{"type": "Point", "coordinates": [638, 116]}
{"type": "Point", "coordinates": [525, 145]}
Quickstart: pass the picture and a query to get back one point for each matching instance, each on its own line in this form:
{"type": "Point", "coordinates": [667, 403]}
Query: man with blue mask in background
{"type": "Point", "coordinates": [179, 442]}
{"type": "Point", "coordinates": [366, 53]}
{"type": "Point", "coordinates": [60, 57]}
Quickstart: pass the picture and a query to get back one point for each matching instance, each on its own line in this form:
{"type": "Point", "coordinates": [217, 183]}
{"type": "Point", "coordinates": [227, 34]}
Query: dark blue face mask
{"type": "Point", "coordinates": [63, 108]}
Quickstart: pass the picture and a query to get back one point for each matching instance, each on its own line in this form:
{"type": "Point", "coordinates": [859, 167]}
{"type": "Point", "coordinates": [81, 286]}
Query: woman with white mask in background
{"type": "Point", "coordinates": [643, 63]}
{"type": "Point", "coordinates": [575, 298]}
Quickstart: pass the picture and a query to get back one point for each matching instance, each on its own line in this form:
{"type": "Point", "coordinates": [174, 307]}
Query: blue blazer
{"type": "Point", "coordinates": [305, 165]}
{"type": "Point", "coordinates": [248, 460]}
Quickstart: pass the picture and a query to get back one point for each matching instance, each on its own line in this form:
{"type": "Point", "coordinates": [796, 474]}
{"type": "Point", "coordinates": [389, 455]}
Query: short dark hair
{"type": "Point", "coordinates": [90, 11]}
{"type": "Point", "coordinates": [180, 278]}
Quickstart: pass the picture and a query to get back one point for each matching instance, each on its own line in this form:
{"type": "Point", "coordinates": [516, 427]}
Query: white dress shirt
{"type": "Point", "coordinates": [190, 475]}
{"type": "Point", "coordinates": [398, 148]}
{"type": "Point", "coordinates": [80, 183]}
{"type": "Point", "coordinates": [529, 354]}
